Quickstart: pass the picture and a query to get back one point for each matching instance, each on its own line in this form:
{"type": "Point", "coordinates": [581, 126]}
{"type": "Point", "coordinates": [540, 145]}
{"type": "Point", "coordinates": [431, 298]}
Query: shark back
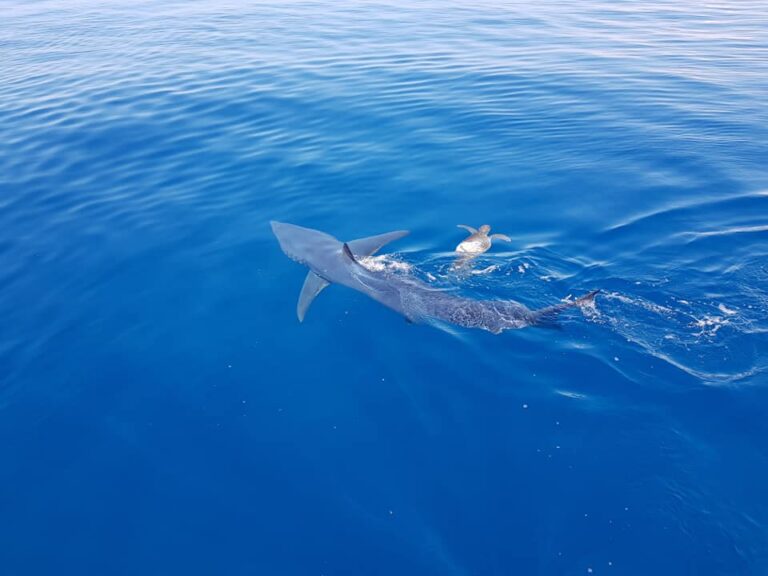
{"type": "Point", "coordinates": [324, 256]}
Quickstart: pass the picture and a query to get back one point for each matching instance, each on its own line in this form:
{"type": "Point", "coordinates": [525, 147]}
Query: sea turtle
{"type": "Point", "coordinates": [479, 241]}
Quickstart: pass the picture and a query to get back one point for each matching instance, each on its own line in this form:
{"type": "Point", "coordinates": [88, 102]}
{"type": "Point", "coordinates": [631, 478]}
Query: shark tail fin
{"type": "Point", "coordinates": [548, 316]}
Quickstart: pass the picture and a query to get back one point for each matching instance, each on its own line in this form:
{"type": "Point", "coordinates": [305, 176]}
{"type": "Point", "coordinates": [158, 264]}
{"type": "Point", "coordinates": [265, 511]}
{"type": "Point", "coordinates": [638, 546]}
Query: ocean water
{"type": "Point", "coordinates": [162, 411]}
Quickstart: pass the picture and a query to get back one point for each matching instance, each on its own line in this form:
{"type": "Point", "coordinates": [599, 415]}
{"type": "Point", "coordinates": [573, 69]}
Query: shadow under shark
{"type": "Point", "coordinates": [331, 261]}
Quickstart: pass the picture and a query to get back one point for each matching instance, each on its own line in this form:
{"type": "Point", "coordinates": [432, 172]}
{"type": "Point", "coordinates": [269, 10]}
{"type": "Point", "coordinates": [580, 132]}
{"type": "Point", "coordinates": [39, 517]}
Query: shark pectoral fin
{"type": "Point", "coordinates": [369, 246]}
{"type": "Point", "coordinates": [313, 285]}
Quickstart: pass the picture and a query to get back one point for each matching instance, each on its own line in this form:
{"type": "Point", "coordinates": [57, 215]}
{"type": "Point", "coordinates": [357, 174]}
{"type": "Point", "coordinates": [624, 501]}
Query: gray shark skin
{"type": "Point", "coordinates": [331, 261]}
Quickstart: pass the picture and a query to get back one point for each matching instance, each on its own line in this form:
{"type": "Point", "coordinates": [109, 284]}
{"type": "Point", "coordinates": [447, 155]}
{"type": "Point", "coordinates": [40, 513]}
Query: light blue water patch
{"type": "Point", "coordinates": [162, 410]}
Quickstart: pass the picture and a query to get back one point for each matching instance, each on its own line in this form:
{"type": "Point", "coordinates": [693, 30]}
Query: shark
{"type": "Point", "coordinates": [331, 261]}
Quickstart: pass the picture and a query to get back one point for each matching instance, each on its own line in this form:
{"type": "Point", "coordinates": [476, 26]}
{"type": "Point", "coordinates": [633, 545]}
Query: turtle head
{"type": "Point", "coordinates": [485, 229]}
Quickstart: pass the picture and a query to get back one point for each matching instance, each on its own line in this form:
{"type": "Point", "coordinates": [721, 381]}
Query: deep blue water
{"type": "Point", "coordinates": [162, 411]}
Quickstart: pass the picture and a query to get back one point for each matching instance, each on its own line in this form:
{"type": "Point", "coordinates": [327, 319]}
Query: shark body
{"type": "Point", "coordinates": [331, 261]}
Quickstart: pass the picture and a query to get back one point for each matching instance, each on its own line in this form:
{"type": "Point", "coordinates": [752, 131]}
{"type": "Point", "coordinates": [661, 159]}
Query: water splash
{"type": "Point", "coordinates": [386, 263]}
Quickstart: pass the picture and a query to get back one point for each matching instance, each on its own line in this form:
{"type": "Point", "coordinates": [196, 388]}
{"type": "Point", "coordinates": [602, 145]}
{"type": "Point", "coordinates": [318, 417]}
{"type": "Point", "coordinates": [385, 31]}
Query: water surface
{"type": "Point", "coordinates": [163, 412]}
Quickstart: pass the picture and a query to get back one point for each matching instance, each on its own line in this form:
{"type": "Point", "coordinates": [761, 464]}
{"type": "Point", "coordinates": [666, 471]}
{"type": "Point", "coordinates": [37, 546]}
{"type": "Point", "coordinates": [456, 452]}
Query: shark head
{"type": "Point", "coordinates": [305, 245]}
{"type": "Point", "coordinates": [328, 259]}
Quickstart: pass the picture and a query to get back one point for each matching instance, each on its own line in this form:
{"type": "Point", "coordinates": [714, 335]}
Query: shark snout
{"type": "Point", "coordinates": [280, 229]}
{"type": "Point", "coordinates": [282, 232]}
{"type": "Point", "coordinates": [304, 245]}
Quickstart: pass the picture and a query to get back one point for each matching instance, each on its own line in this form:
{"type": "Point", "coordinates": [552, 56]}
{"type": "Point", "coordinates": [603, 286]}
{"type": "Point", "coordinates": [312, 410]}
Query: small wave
{"type": "Point", "coordinates": [486, 270]}
{"type": "Point", "coordinates": [708, 341]}
{"type": "Point", "coordinates": [646, 304]}
{"type": "Point", "coordinates": [725, 232]}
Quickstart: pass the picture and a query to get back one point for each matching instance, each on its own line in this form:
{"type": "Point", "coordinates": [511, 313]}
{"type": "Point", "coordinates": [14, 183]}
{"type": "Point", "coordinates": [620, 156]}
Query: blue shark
{"type": "Point", "coordinates": [331, 261]}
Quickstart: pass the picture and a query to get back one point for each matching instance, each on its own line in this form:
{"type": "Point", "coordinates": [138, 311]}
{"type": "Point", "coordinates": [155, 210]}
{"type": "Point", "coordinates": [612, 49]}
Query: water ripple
{"type": "Point", "coordinates": [143, 149]}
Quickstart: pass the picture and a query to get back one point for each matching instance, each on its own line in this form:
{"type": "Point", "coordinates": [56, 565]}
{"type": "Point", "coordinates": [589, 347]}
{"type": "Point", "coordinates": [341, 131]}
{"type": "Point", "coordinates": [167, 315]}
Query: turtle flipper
{"type": "Point", "coordinates": [467, 228]}
{"type": "Point", "coordinates": [502, 237]}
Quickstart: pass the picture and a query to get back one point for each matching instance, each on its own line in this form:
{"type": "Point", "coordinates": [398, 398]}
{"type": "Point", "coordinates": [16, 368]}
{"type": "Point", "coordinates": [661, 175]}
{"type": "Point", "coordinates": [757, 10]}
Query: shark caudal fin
{"type": "Point", "coordinates": [314, 284]}
{"type": "Point", "coordinates": [547, 316]}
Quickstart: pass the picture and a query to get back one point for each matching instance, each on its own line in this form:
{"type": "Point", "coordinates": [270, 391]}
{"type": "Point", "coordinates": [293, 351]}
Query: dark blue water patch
{"type": "Point", "coordinates": [162, 409]}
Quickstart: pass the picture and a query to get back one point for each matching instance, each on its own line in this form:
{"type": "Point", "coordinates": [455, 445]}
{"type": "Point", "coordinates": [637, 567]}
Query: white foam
{"type": "Point", "coordinates": [384, 263]}
{"type": "Point", "coordinates": [486, 270]}
{"type": "Point", "coordinates": [709, 325]}
{"type": "Point", "coordinates": [726, 311]}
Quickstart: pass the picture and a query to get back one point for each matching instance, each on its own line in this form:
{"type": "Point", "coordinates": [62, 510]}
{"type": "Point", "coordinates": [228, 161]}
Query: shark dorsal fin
{"type": "Point", "coordinates": [348, 253]}
{"type": "Point", "coordinates": [370, 245]}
